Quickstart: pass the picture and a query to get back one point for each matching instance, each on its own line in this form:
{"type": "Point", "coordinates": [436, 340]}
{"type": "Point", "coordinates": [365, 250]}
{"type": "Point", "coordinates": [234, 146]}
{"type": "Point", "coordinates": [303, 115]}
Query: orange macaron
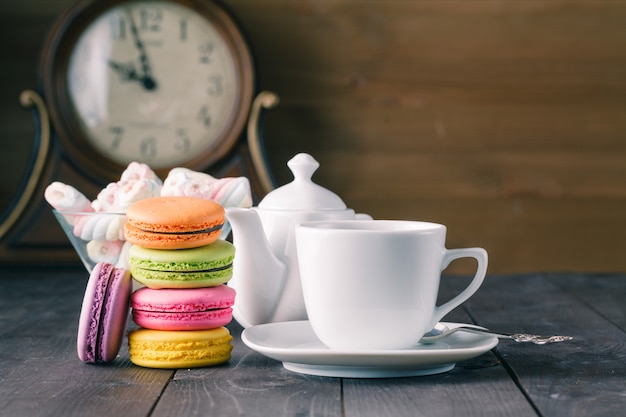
{"type": "Point", "coordinates": [173, 222]}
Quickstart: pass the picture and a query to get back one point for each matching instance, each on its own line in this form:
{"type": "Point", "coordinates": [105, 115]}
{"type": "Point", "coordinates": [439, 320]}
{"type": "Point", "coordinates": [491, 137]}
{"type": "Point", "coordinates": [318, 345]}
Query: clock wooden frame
{"type": "Point", "coordinates": [54, 66]}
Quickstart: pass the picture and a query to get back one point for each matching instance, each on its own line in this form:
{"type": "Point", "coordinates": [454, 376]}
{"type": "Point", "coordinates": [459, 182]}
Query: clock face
{"type": "Point", "coordinates": [154, 82]}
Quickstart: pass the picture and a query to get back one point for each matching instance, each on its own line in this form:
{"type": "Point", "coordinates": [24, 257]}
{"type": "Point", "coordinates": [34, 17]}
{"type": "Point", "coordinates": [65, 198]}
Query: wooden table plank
{"type": "Point", "coordinates": [42, 376]}
{"type": "Point", "coordinates": [441, 395]}
{"type": "Point", "coordinates": [602, 293]}
{"type": "Point", "coordinates": [41, 373]}
{"type": "Point", "coordinates": [48, 305]}
{"type": "Point", "coordinates": [583, 377]}
{"type": "Point", "coordinates": [251, 385]}
{"type": "Point", "coordinates": [63, 386]}
{"type": "Point", "coordinates": [482, 391]}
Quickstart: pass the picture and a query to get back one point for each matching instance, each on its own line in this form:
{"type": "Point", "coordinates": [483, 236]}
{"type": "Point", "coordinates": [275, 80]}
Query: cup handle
{"type": "Point", "coordinates": [450, 255]}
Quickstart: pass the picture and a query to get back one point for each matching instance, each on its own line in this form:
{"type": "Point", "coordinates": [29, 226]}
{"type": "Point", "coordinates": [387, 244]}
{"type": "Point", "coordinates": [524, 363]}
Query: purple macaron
{"type": "Point", "coordinates": [104, 313]}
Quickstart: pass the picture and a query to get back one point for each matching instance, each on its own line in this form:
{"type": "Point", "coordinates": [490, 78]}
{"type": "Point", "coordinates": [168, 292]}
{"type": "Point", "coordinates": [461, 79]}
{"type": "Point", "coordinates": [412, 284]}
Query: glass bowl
{"type": "Point", "coordinates": [96, 236]}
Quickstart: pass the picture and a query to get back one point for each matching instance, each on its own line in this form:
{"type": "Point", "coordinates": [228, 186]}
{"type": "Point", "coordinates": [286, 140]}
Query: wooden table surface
{"type": "Point", "coordinates": [40, 374]}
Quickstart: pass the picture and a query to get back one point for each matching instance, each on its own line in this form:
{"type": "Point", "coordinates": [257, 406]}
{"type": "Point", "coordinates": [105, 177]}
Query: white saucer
{"type": "Point", "coordinates": [295, 344]}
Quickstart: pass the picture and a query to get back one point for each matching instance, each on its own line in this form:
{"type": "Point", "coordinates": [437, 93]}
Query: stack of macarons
{"type": "Point", "coordinates": [184, 304]}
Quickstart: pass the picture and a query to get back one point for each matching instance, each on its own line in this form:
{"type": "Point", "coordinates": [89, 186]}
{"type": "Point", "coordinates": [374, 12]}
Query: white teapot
{"type": "Point", "coordinates": [265, 270]}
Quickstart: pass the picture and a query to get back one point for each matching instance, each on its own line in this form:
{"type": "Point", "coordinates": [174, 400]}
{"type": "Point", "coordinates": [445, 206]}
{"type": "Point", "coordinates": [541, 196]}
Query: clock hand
{"type": "Point", "coordinates": [127, 71]}
{"type": "Point", "coordinates": [148, 82]}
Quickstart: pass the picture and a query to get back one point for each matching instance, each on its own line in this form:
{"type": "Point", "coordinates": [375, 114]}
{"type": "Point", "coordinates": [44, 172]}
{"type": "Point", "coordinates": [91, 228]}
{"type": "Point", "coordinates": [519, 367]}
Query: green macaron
{"type": "Point", "coordinates": [204, 266]}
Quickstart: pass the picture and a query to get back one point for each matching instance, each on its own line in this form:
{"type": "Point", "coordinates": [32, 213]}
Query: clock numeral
{"type": "Point", "coordinates": [206, 50]}
{"type": "Point", "coordinates": [148, 148]}
{"type": "Point", "coordinates": [183, 143]}
{"type": "Point", "coordinates": [117, 132]}
{"type": "Point", "coordinates": [184, 28]}
{"type": "Point", "coordinates": [215, 87]}
{"type": "Point", "coordinates": [204, 117]}
{"type": "Point", "coordinates": [119, 30]}
{"type": "Point", "coordinates": [150, 19]}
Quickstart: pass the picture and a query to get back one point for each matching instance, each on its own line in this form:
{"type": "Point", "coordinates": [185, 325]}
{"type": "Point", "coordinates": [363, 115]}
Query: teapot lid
{"type": "Point", "coordinates": [302, 193]}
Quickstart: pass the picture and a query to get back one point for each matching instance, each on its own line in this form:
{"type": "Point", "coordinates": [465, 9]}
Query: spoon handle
{"type": "Point", "coordinates": [539, 340]}
{"type": "Point", "coordinates": [517, 337]}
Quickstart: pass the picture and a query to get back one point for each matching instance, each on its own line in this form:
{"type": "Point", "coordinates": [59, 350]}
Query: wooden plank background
{"type": "Point", "coordinates": [505, 120]}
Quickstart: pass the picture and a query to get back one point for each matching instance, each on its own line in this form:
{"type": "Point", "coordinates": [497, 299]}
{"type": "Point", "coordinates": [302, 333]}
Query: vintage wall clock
{"type": "Point", "coordinates": [167, 82]}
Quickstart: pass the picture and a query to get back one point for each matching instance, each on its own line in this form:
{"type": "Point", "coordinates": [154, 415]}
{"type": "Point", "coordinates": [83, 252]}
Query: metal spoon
{"type": "Point", "coordinates": [441, 330]}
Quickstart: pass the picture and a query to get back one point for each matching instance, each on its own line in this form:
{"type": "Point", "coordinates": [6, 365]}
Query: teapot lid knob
{"type": "Point", "coordinates": [303, 166]}
{"type": "Point", "coordinates": [302, 193]}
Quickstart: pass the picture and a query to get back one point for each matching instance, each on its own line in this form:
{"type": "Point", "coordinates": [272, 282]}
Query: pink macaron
{"type": "Point", "coordinates": [183, 309]}
{"type": "Point", "coordinates": [104, 313]}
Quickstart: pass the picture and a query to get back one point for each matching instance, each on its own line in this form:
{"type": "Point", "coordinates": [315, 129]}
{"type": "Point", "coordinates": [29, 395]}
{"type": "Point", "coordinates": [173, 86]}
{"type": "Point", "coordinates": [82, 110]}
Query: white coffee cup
{"type": "Point", "coordinates": [373, 285]}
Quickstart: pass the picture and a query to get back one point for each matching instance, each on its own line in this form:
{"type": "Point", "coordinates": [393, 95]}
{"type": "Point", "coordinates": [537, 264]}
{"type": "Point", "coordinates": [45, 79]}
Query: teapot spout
{"type": "Point", "coordinates": [258, 274]}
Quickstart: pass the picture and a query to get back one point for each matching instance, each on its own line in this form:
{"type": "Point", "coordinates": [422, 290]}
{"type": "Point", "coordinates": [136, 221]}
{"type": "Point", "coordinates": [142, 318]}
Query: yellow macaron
{"type": "Point", "coordinates": [179, 349]}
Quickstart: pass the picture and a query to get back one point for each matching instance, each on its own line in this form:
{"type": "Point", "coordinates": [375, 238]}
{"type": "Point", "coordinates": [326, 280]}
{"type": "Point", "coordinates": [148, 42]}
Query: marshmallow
{"type": "Point", "coordinates": [233, 192]}
{"type": "Point", "coordinates": [115, 229]}
{"type": "Point", "coordinates": [137, 182]}
{"type": "Point", "coordinates": [105, 201]}
{"type": "Point", "coordinates": [186, 182]}
{"type": "Point", "coordinates": [64, 197]}
{"type": "Point", "coordinates": [131, 191]}
{"type": "Point", "coordinates": [138, 171]}
{"type": "Point", "coordinates": [104, 251]}
{"type": "Point", "coordinates": [105, 227]}
{"type": "Point", "coordinates": [229, 192]}
{"type": "Point", "coordinates": [123, 259]}
{"type": "Point", "coordinates": [118, 196]}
